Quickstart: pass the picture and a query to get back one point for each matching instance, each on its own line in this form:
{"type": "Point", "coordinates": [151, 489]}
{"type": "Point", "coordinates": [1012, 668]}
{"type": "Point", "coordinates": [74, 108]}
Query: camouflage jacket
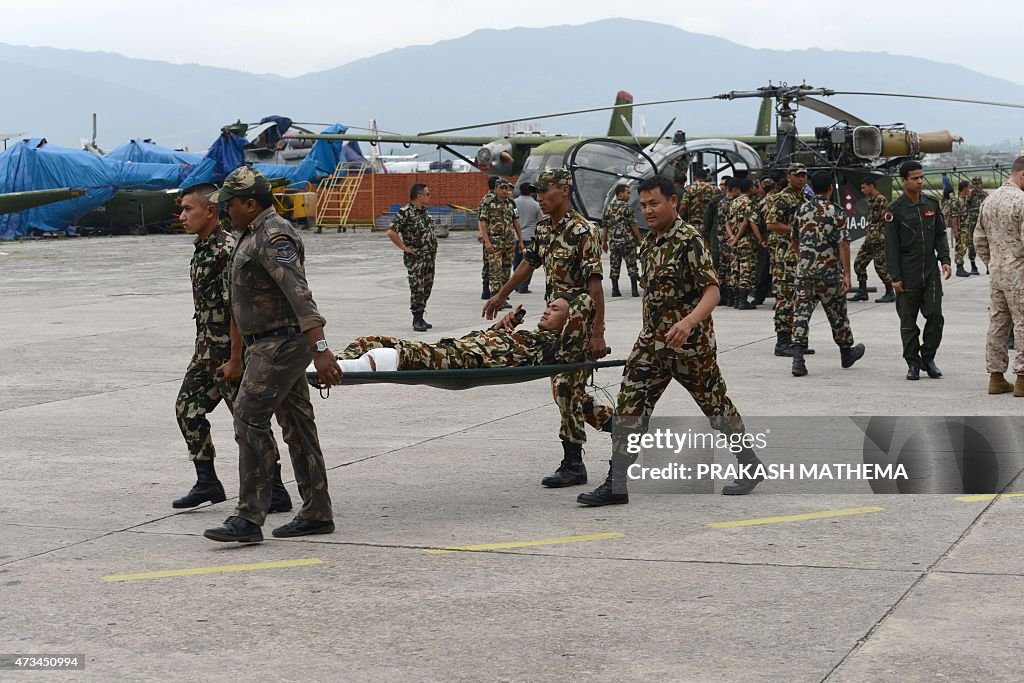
{"type": "Point", "coordinates": [876, 213]}
{"type": "Point", "coordinates": [268, 278]}
{"type": "Point", "coordinates": [741, 209]}
{"type": "Point", "coordinates": [820, 229]}
{"type": "Point", "coordinates": [999, 236]}
{"type": "Point", "coordinates": [780, 207]}
{"type": "Point", "coordinates": [974, 201]}
{"type": "Point", "coordinates": [694, 202]}
{"type": "Point", "coordinates": [500, 215]}
{"type": "Point", "coordinates": [415, 228]}
{"type": "Point", "coordinates": [721, 218]}
{"type": "Point", "coordinates": [211, 293]}
{"type": "Point", "coordinates": [570, 253]}
{"type": "Point", "coordinates": [954, 210]}
{"type": "Point", "coordinates": [619, 220]}
{"type": "Point", "coordinates": [675, 269]}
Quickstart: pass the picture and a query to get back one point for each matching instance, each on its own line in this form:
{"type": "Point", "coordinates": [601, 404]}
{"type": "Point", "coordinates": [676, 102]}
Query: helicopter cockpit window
{"type": "Point", "coordinates": [597, 166]}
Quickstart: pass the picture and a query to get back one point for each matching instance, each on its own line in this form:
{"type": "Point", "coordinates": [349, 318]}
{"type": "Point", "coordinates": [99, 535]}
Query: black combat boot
{"type": "Point", "coordinates": [960, 272]}
{"type": "Point", "coordinates": [571, 471]}
{"type": "Point", "coordinates": [429, 326]}
{"type": "Point", "coordinates": [741, 301]}
{"type": "Point", "coordinates": [913, 371]}
{"type": "Point", "coordinates": [851, 354]}
{"type": "Point", "coordinates": [742, 485]}
{"type": "Point", "coordinates": [888, 297]}
{"type": "Point", "coordinates": [236, 529]}
{"type": "Point", "coordinates": [633, 291]}
{"type": "Point", "coordinates": [932, 369]}
{"type": "Point", "coordinates": [615, 288]}
{"type": "Point", "coordinates": [486, 294]}
{"type": "Point", "coordinates": [611, 492]}
{"type": "Point", "coordinates": [783, 344]}
{"type": "Point", "coordinates": [417, 322]}
{"type": "Point", "coordinates": [862, 291]}
{"type": "Point", "coordinates": [799, 367]}
{"type": "Point", "coordinates": [974, 268]}
{"type": "Point", "coordinates": [207, 489]}
{"type": "Point", "coordinates": [280, 501]}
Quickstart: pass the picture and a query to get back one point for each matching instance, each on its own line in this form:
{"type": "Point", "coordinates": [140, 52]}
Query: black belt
{"type": "Point", "coordinates": [287, 331]}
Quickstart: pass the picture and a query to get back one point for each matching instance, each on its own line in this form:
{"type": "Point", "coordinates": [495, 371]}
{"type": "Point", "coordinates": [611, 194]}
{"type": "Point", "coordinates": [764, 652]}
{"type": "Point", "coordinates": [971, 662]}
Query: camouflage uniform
{"type": "Point", "coordinates": [873, 248]}
{"type": "Point", "coordinates": [485, 272]}
{"type": "Point", "coordinates": [694, 203]}
{"type": "Point", "coordinates": [725, 251]}
{"type": "Point", "coordinates": [741, 209]}
{"type": "Point", "coordinates": [999, 238]}
{"type": "Point", "coordinates": [974, 201]}
{"type": "Point", "coordinates": [780, 207]}
{"type": "Point", "coordinates": [201, 390]}
{"type": "Point", "coordinates": [619, 220]}
{"type": "Point", "coordinates": [272, 307]}
{"type": "Point", "coordinates": [570, 253]}
{"type": "Point", "coordinates": [820, 230]}
{"type": "Point", "coordinates": [417, 232]}
{"type": "Point", "coordinates": [500, 215]}
{"type": "Point", "coordinates": [954, 211]}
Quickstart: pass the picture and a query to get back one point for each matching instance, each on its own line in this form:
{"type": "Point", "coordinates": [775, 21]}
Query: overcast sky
{"type": "Point", "coordinates": [295, 38]}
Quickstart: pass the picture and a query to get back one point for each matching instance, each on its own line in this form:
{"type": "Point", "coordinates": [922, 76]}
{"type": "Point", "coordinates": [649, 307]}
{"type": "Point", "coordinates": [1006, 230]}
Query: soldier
{"type": "Point", "coordinates": [954, 210]}
{"type": "Point", "coordinates": [974, 200]}
{"type": "Point", "coordinates": [915, 240]}
{"type": "Point", "coordinates": [273, 309]}
{"type": "Point", "coordinates": [500, 233]}
{"type": "Point", "coordinates": [999, 239]}
{"type": "Point", "coordinates": [412, 231]}
{"type": "Point", "coordinates": [695, 199]}
{"type": "Point", "coordinates": [822, 246]}
{"type": "Point", "coordinates": [873, 248]}
{"type": "Point", "coordinates": [723, 238]}
{"type": "Point", "coordinates": [711, 219]}
{"type": "Point", "coordinates": [485, 274]}
{"type": "Point", "coordinates": [619, 224]}
{"type": "Point", "coordinates": [216, 365]}
{"type": "Point", "coordinates": [569, 248]}
{"type": "Point", "coordinates": [779, 211]}
{"type": "Point", "coordinates": [744, 241]}
{"type": "Point", "coordinates": [676, 340]}
{"type": "Point", "coordinates": [763, 276]}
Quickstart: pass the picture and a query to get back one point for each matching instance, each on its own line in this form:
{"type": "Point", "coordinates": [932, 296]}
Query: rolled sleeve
{"type": "Point", "coordinates": [590, 255]}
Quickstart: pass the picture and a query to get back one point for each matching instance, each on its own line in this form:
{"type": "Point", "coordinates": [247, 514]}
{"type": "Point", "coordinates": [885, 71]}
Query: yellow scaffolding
{"type": "Point", "coordinates": [337, 193]}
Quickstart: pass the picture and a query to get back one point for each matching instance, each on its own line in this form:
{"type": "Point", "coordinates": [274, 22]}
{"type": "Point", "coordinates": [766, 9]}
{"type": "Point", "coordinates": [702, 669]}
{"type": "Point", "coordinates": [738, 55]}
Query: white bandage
{"type": "Point", "coordinates": [386, 360]}
{"type": "Point", "coordinates": [361, 364]}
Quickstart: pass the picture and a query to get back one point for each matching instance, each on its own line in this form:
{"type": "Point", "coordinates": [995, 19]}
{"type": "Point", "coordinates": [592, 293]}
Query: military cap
{"type": "Point", "coordinates": [502, 182]}
{"type": "Point", "coordinates": [796, 168]}
{"type": "Point", "coordinates": [552, 176]}
{"type": "Point", "coordinates": [767, 182]}
{"type": "Point", "coordinates": [976, 180]}
{"type": "Point", "coordinates": [244, 181]}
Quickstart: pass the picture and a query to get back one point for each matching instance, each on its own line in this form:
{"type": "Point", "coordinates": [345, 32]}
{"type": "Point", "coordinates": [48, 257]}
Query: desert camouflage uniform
{"type": "Point", "coordinates": [500, 215]}
{"type": "Point", "coordinates": [417, 231]}
{"type": "Point", "coordinates": [974, 201]}
{"type": "Point", "coordinates": [741, 209]}
{"type": "Point", "coordinates": [999, 239]}
{"type": "Point", "coordinates": [725, 251]}
{"type": "Point", "coordinates": [780, 207]}
{"type": "Point", "coordinates": [201, 390]}
{"type": "Point", "coordinates": [570, 253]}
{"type": "Point", "coordinates": [954, 212]}
{"type": "Point", "coordinates": [619, 220]}
{"type": "Point", "coordinates": [269, 294]}
{"type": "Point", "coordinates": [694, 203]}
{"type": "Point", "coordinates": [873, 248]}
{"type": "Point", "coordinates": [820, 230]}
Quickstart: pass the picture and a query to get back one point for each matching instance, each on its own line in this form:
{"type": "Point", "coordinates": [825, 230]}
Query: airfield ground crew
{"type": "Point", "coordinates": [873, 248]}
{"type": "Point", "coordinates": [915, 242]}
{"type": "Point", "coordinates": [273, 309]}
{"type": "Point", "coordinates": [744, 241]}
{"type": "Point", "coordinates": [822, 246]}
{"type": "Point", "coordinates": [500, 233]}
{"type": "Point", "coordinates": [676, 340]}
{"type": "Point", "coordinates": [954, 212]}
{"type": "Point", "coordinates": [216, 366]}
{"type": "Point", "coordinates": [412, 231]}
{"type": "Point", "coordinates": [620, 236]}
{"type": "Point", "coordinates": [999, 240]}
{"type": "Point", "coordinates": [569, 248]}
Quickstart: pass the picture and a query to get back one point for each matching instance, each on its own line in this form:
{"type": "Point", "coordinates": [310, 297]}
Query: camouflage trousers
{"type": "Point", "coordinates": [485, 271]}
{"type": "Point", "coordinates": [964, 242]}
{"type": "Point", "coordinates": [785, 304]}
{"type": "Point", "coordinates": [744, 264]}
{"type": "Point", "coordinates": [619, 252]}
{"type": "Point", "coordinates": [274, 383]}
{"type": "Point", "coordinates": [576, 406]}
{"type": "Point", "coordinates": [809, 293]}
{"type": "Point", "coordinates": [421, 278]}
{"type": "Point", "coordinates": [499, 264]}
{"type": "Point", "coordinates": [873, 249]}
{"type": "Point", "coordinates": [725, 264]}
{"type": "Point", "coordinates": [201, 391]}
{"type": "Point", "coordinates": [1007, 311]}
{"type": "Point", "coordinates": [417, 355]}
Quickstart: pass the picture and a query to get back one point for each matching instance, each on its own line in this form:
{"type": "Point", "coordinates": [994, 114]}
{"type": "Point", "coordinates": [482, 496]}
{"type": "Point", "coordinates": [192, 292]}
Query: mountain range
{"type": "Point", "coordinates": [487, 75]}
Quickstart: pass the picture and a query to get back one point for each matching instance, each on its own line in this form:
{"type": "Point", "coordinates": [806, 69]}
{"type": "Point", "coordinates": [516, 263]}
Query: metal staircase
{"type": "Point", "coordinates": [336, 195]}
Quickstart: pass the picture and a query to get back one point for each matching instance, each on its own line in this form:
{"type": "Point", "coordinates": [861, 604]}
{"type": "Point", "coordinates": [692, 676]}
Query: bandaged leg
{"type": "Point", "coordinates": [384, 360]}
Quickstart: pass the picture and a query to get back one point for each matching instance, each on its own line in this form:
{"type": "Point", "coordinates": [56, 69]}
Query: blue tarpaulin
{"type": "Point", "coordinates": [148, 152]}
{"type": "Point", "coordinates": [35, 165]}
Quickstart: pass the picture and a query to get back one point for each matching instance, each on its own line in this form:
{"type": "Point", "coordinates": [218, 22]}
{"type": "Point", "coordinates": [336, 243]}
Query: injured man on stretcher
{"type": "Point", "coordinates": [561, 337]}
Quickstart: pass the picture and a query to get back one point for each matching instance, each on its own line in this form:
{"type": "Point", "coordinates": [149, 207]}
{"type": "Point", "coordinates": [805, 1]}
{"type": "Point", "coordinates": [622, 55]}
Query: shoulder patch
{"type": "Point", "coordinates": [286, 252]}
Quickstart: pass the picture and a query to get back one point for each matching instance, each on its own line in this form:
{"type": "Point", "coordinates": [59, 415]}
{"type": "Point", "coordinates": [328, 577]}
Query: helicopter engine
{"type": "Point", "coordinates": [496, 158]}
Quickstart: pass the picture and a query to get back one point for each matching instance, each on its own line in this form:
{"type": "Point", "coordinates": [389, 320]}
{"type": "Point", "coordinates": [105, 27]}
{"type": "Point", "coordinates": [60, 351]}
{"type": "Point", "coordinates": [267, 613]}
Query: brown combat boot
{"type": "Point", "coordinates": [997, 384]}
{"type": "Point", "coordinates": [1018, 386]}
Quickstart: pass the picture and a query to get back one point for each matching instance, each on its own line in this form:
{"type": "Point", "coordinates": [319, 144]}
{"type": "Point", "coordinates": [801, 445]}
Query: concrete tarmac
{"type": "Point", "coordinates": [450, 562]}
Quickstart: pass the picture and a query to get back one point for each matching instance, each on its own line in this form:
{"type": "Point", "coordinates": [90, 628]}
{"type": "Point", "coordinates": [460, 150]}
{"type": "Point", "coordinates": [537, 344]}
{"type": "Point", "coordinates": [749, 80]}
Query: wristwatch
{"type": "Point", "coordinates": [320, 346]}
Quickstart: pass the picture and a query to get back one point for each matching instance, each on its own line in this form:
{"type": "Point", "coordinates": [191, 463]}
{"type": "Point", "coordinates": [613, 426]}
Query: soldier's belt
{"type": "Point", "coordinates": [287, 331]}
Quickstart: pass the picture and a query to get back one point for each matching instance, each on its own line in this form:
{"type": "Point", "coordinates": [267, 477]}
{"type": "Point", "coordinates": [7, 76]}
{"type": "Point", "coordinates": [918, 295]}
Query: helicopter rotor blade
{"type": "Point", "coordinates": [832, 111]}
{"type": "Point", "coordinates": [566, 113]}
{"type": "Point", "coordinates": [937, 98]}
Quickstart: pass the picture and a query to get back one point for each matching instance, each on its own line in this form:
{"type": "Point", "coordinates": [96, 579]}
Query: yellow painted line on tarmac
{"type": "Point", "coordinates": [793, 518]}
{"type": "Point", "coordinates": [988, 496]}
{"type": "Point", "coordinates": [223, 569]}
{"type": "Point", "coordinates": [525, 544]}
